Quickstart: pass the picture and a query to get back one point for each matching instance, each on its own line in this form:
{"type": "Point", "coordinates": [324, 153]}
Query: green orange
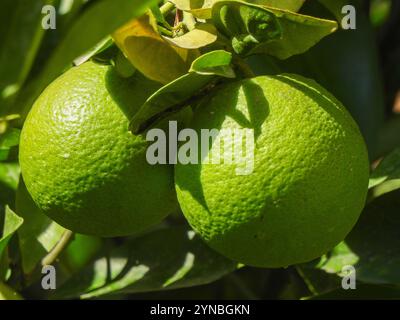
{"type": "Point", "coordinates": [309, 181]}
{"type": "Point", "coordinates": [81, 164]}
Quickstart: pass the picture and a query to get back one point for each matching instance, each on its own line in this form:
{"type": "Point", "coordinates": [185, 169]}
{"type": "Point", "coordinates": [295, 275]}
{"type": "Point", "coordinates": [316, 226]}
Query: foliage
{"type": "Point", "coordinates": [188, 47]}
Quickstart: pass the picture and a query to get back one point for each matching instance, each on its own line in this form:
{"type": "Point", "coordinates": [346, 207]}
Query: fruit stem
{"type": "Point", "coordinates": [167, 8]}
{"type": "Point", "coordinates": [58, 248]}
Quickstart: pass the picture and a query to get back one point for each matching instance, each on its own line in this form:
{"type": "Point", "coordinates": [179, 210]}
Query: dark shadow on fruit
{"type": "Point", "coordinates": [376, 240]}
{"type": "Point", "coordinates": [123, 89]}
{"type": "Point", "coordinates": [257, 105]}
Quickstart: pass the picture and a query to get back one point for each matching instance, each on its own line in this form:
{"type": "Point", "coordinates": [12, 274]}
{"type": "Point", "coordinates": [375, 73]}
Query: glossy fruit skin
{"type": "Point", "coordinates": [310, 176]}
{"type": "Point", "coordinates": [81, 164]}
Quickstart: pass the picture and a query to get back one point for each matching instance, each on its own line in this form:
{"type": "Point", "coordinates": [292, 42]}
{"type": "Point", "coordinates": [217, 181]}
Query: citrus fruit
{"type": "Point", "coordinates": [81, 164]}
{"type": "Point", "coordinates": [309, 180]}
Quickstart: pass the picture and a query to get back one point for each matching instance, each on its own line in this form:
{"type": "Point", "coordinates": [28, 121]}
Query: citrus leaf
{"type": "Point", "coordinates": [202, 8]}
{"type": "Point", "coordinates": [8, 140]}
{"type": "Point", "coordinates": [164, 259]}
{"type": "Point", "coordinates": [169, 99]}
{"type": "Point", "coordinates": [179, 93]}
{"type": "Point", "coordinates": [7, 293]}
{"type": "Point", "coordinates": [38, 235]}
{"type": "Point", "coordinates": [216, 62]}
{"type": "Point", "coordinates": [388, 169]}
{"type": "Point", "coordinates": [12, 222]}
{"type": "Point", "coordinates": [290, 5]}
{"type": "Point", "coordinates": [257, 29]}
{"type": "Point", "coordinates": [21, 39]}
{"type": "Point", "coordinates": [376, 241]}
{"type": "Point", "coordinates": [199, 8]}
{"type": "Point", "coordinates": [335, 7]}
{"type": "Point", "coordinates": [202, 35]}
{"type": "Point", "coordinates": [93, 25]}
{"type": "Point", "coordinates": [103, 45]}
{"type": "Point", "coordinates": [9, 175]}
{"type": "Point", "coordinates": [150, 53]}
{"type": "Point", "coordinates": [323, 275]}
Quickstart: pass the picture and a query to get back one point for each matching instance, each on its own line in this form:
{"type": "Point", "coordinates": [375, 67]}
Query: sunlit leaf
{"type": "Point", "coordinates": [202, 8]}
{"type": "Point", "coordinates": [8, 139]}
{"type": "Point", "coordinates": [12, 222]}
{"type": "Point", "coordinates": [290, 5]}
{"type": "Point", "coordinates": [216, 62]}
{"type": "Point", "coordinates": [9, 174]}
{"type": "Point", "coordinates": [388, 169]}
{"type": "Point", "coordinates": [202, 35]}
{"type": "Point", "coordinates": [163, 259]}
{"type": "Point", "coordinates": [181, 92]}
{"type": "Point", "coordinates": [7, 293]}
{"type": "Point", "coordinates": [257, 29]}
{"type": "Point", "coordinates": [150, 53]}
{"type": "Point", "coordinates": [169, 99]}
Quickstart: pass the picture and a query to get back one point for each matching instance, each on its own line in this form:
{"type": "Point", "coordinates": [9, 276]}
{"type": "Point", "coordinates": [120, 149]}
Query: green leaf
{"type": "Point", "coordinates": [100, 47]}
{"type": "Point", "coordinates": [202, 35]}
{"type": "Point", "coordinates": [388, 169]}
{"type": "Point", "coordinates": [290, 5]}
{"type": "Point", "coordinates": [202, 8]}
{"type": "Point", "coordinates": [338, 258]}
{"type": "Point", "coordinates": [216, 62]}
{"type": "Point", "coordinates": [21, 39]}
{"type": "Point", "coordinates": [257, 29]}
{"type": "Point", "coordinates": [362, 291]}
{"type": "Point", "coordinates": [7, 293]}
{"type": "Point", "coordinates": [335, 7]}
{"type": "Point", "coordinates": [38, 235]}
{"type": "Point", "coordinates": [169, 99]}
{"type": "Point", "coordinates": [8, 140]}
{"type": "Point", "coordinates": [98, 21]}
{"type": "Point", "coordinates": [163, 259]}
{"type": "Point", "coordinates": [376, 241]}
{"type": "Point", "coordinates": [12, 222]}
{"type": "Point", "coordinates": [179, 93]}
{"type": "Point", "coordinates": [9, 175]}
{"type": "Point", "coordinates": [199, 8]}
{"type": "Point", "coordinates": [324, 274]}
{"type": "Point", "coordinates": [153, 56]}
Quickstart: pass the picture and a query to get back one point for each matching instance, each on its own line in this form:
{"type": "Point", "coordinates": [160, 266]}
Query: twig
{"type": "Point", "coordinates": [167, 8]}
{"type": "Point", "coordinates": [58, 248]}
